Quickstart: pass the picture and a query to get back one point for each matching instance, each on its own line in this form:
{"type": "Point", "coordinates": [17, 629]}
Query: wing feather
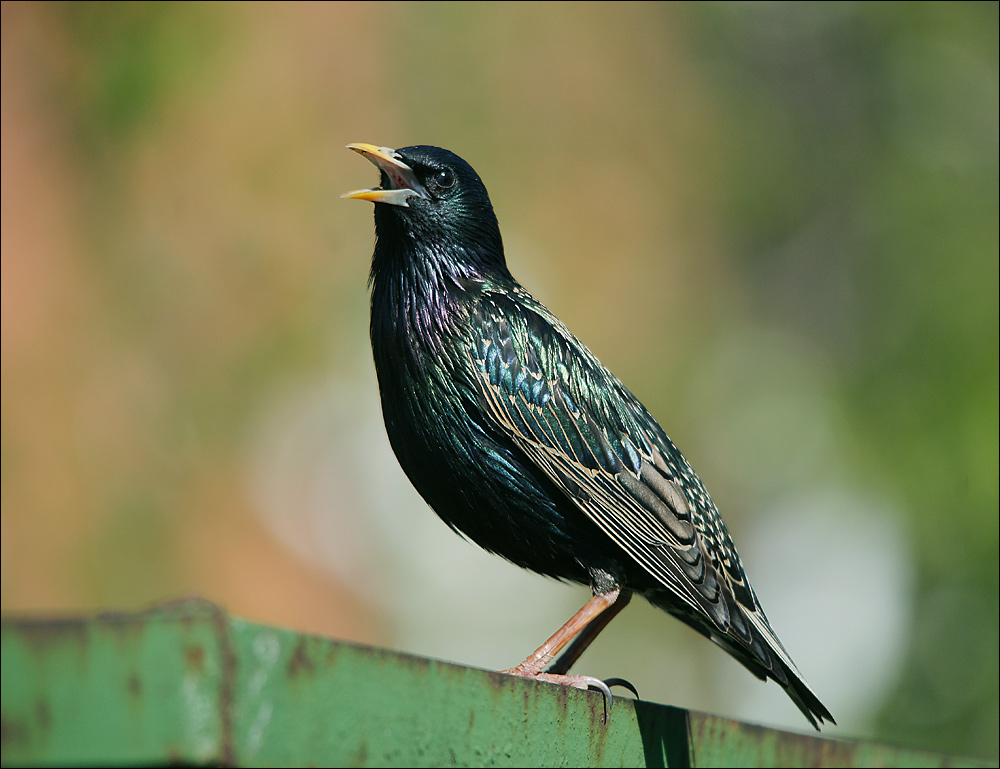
{"type": "Point", "coordinates": [611, 458]}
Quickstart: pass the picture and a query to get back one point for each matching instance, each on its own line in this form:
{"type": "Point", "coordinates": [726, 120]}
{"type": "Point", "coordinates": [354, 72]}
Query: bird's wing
{"type": "Point", "coordinates": [599, 445]}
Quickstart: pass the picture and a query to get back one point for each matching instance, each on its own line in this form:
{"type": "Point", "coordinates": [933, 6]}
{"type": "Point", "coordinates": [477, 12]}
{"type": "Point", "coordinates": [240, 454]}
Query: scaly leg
{"type": "Point", "coordinates": [580, 631]}
{"type": "Point", "coordinates": [588, 634]}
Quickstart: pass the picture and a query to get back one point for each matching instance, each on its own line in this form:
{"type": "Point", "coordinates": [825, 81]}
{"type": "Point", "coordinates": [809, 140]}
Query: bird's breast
{"type": "Point", "coordinates": [459, 460]}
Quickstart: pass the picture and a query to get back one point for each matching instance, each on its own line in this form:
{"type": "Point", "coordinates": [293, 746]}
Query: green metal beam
{"type": "Point", "coordinates": [186, 683]}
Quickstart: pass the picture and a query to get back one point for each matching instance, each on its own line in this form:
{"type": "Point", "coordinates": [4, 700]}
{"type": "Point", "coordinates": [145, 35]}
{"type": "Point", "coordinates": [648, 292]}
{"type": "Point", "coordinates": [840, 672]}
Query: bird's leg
{"type": "Point", "coordinates": [544, 654]}
{"type": "Point", "coordinates": [582, 626]}
{"type": "Point", "coordinates": [588, 634]}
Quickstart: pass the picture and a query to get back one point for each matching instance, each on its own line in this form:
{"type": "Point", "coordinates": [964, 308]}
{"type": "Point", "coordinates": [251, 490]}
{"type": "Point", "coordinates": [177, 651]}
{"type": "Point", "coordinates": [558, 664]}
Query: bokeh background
{"type": "Point", "coordinates": [776, 222]}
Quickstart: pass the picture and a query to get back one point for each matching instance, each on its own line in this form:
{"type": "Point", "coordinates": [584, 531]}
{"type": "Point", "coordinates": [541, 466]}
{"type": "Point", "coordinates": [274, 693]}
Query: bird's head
{"type": "Point", "coordinates": [431, 210]}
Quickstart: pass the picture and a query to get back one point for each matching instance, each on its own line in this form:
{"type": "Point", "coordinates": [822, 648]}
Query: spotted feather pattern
{"type": "Point", "coordinates": [518, 437]}
{"type": "Point", "coordinates": [578, 423]}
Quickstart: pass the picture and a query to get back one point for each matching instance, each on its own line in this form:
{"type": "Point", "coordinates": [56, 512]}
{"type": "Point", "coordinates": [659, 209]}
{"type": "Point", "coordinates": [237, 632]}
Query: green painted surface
{"type": "Point", "coordinates": [372, 707]}
{"type": "Point", "coordinates": [185, 683]}
{"type": "Point", "coordinates": [115, 688]}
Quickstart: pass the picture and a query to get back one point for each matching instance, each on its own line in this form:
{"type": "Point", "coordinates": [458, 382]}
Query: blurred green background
{"type": "Point", "coordinates": [776, 222]}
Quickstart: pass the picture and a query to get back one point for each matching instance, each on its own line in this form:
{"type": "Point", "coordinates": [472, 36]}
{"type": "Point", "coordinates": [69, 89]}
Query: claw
{"type": "Point", "coordinates": [624, 684]}
{"type": "Point", "coordinates": [603, 688]}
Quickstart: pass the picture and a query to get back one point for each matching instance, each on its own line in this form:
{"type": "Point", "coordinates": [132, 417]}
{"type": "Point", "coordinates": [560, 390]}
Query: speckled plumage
{"type": "Point", "coordinates": [519, 438]}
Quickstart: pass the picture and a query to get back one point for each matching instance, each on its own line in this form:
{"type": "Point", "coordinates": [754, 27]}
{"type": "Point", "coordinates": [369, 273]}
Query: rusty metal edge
{"type": "Point", "coordinates": [702, 730]}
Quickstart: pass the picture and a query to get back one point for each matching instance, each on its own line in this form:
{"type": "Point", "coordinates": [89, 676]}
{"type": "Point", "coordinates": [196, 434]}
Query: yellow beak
{"type": "Point", "coordinates": [402, 181]}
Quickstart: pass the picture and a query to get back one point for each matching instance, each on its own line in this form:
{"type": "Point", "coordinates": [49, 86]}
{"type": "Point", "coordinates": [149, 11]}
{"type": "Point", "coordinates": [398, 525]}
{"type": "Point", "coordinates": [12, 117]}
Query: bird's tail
{"type": "Point", "coordinates": [783, 672]}
{"type": "Point", "coordinates": [752, 642]}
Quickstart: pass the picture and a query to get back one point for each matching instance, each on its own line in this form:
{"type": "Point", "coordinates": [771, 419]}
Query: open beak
{"type": "Point", "coordinates": [398, 180]}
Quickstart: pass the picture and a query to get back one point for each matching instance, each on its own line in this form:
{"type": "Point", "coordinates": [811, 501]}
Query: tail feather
{"type": "Point", "coordinates": [785, 675]}
{"type": "Point", "coordinates": [748, 638]}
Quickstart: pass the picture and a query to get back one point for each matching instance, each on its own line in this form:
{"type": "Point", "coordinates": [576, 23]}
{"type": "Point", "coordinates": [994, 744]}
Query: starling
{"type": "Point", "coordinates": [521, 440]}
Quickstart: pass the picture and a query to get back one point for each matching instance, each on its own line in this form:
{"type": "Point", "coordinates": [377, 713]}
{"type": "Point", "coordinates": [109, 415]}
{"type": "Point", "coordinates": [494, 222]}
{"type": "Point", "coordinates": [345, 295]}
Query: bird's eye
{"type": "Point", "coordinates": [444, 179]}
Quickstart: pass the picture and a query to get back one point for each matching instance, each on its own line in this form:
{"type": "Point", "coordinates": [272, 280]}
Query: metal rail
{"type": "Point", "coordinates": [186, 683]}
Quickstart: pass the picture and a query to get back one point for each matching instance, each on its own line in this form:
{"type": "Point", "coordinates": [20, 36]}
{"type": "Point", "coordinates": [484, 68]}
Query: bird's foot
{"type": "Point", "coordinates": [577, 682]}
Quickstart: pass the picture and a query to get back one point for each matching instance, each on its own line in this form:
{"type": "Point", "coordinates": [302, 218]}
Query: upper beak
{"type": "Point", "coordinates": [402, 182]}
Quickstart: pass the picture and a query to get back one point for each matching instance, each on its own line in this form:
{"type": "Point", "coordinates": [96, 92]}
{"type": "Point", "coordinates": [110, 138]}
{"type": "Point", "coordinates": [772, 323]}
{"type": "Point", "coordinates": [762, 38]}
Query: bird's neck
{"type": "Point", "coordinates": [420, 294]}
{"type": "Point", "coordinates": [414, 300]}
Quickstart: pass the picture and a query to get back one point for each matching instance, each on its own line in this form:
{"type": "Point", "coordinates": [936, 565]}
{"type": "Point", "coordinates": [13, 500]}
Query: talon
{"type": "Point", "coordinates": [609, 698]}
{"type": "Point", "coordinates": [624, 684]}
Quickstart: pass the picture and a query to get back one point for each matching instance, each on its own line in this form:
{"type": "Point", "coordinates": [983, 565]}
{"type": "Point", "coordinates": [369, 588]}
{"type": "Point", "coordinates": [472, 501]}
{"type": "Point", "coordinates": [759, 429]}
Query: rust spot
{"type": "Point", "coordinates": [194, 656]}
{"type": "Point", "coordinates": [43, 715]}
{"type": "Point", "coordinates": [807, 750]}
{"type": "Point", "coordinates": [38, 634]}
{"type": "Point", "coordinates": [134, 685]}
{"type": "Point", "coordinates": [12, 733]}
{"type": "Point", "coordinates": [220, 621]}
{"type": "Point", "coordinates": [360, 757]}
{"type": "Point", "coordinates": [788, 749]}
{"type": "Point", "coordinates": [188, 611]}
{"type": "Point", "coordinates": [300, 662]}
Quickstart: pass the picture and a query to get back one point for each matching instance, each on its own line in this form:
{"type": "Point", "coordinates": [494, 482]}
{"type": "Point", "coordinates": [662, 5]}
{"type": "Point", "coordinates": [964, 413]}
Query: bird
{"type": "Point", "coordinates": [521, 440]}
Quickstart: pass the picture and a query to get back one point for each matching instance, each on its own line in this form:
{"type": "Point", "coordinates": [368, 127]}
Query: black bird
{"type": "Point", "coordinates": [520, 439]}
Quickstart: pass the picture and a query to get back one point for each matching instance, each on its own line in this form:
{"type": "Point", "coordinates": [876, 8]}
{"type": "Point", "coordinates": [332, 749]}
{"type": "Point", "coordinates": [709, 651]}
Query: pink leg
{"type": "Point", "coordinates": [583, 627]}
{"type": "Point", "coordinates": [589, 633]}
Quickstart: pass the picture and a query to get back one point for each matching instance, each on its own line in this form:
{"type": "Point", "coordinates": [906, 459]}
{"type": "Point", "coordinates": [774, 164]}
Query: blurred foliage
{"type": "Point", "coordinates": [670, 179]}
{"type": "Point", "coordinates": [889, 178]}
